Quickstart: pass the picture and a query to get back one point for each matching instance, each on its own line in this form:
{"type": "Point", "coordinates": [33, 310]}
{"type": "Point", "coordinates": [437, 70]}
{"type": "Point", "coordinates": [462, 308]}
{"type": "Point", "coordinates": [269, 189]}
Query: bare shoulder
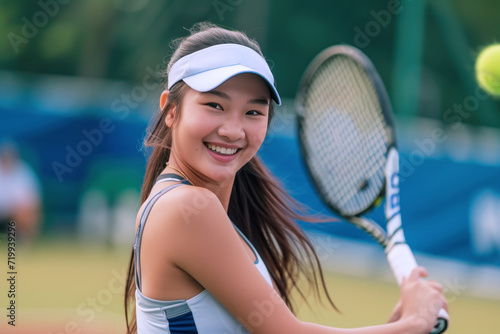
{"type": "Point", "coordinates": [181, 221]}
{"type": "Point", "coordinates": [185, 207]}
{"type": "Point", "coordinates": [190, 233]}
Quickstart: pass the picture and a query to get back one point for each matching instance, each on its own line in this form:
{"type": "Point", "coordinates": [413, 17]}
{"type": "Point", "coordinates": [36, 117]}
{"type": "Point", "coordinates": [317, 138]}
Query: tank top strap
{"type": "Point", "coordinates": [140, 229]}
{"type": "Point", "coordinates": [255, 253]}
{"type": "Point", "coordinates": [172, 177]}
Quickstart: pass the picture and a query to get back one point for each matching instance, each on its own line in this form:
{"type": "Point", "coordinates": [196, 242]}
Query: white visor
{"type": "Point", "coordinates": [208, 68]}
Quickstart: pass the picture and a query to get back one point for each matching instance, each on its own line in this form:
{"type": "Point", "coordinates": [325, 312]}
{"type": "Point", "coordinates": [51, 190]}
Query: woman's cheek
{"type": "Point", "coordinates": [200, 127]}
{"type": "Point", "coordinates": [261, 134]}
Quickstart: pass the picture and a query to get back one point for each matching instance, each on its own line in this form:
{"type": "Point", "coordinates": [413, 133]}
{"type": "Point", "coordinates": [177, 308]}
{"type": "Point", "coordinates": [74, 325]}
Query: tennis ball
{"type": "Point", "coordinates": [488, 69]}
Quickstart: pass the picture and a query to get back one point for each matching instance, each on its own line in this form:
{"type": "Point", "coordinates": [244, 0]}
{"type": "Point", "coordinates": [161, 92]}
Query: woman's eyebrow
{"type": "Point", "coordinates": [261, 101]}
{"type": "Point", "coordinates": [219, 94]}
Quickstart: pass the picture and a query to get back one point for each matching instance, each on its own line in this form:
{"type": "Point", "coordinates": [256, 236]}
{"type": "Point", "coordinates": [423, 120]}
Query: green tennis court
{"type": "Point", "coordinates": [67, 287]}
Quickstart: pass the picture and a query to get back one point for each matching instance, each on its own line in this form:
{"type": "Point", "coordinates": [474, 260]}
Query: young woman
{"type": "Point", "coordinates": [217, 248]}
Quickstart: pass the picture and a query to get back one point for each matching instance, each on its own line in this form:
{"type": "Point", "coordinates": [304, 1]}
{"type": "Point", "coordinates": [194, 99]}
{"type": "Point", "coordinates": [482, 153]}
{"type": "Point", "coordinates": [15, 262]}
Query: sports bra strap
{"type": "Point", "coordinates": [144, 217]}
{"type": "Point", "coordinates": [172, 177]}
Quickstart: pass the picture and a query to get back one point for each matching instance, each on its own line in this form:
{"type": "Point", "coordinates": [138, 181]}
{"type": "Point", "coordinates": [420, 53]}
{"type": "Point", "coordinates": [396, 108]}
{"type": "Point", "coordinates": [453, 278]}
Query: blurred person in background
{"type": "Point", "coordinates": [19, 194]}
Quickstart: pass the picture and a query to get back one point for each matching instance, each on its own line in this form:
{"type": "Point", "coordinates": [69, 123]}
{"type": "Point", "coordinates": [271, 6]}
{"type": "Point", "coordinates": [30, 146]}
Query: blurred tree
{"type": "Point", "coordinates": [120, 39]}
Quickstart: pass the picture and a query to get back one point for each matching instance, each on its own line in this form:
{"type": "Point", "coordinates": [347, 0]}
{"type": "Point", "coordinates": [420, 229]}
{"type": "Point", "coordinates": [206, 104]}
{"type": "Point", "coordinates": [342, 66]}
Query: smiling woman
{"type": "Point", "coordinates": [217, 246]}
{"type": "Point", "coordinates": [213, 118]}
{"type": "Point", "coordinates": [221, 130]}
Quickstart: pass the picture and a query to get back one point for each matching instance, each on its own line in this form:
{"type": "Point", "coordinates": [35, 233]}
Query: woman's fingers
{"type": "Point", "coordinates": [422, 299]}
{"type": "Point", "coordinates": [417, 273]}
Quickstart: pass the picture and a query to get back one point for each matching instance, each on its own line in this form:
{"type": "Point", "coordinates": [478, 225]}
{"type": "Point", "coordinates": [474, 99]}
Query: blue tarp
{"type": "Point", "coordinates": [449, 208]}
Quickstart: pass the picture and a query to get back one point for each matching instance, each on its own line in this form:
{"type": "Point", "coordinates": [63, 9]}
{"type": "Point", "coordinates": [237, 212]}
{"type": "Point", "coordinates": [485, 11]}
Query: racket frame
{"type": "Point", "coordinates": [399, 254]}
{"type": "Point", "coordinates": [364, 61]}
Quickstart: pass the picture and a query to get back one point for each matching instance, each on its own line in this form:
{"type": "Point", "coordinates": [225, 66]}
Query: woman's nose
{"type": "Point", "coordinates": [232, 128]}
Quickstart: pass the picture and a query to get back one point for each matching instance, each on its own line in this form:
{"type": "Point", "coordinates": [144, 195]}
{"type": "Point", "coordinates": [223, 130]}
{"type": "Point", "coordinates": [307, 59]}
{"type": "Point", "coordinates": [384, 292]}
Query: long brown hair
{"type": "Point", "coordinates": [258, 206]}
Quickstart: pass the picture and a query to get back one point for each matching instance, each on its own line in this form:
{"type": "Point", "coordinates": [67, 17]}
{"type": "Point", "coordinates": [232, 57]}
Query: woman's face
{"type": "Point", "coordinates": [221, 130]}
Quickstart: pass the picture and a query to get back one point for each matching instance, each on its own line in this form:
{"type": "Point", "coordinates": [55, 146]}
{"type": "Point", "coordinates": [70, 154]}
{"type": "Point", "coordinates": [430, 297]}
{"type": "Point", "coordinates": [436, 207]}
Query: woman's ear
{"type": "Point", "coordinates": [169, 118]}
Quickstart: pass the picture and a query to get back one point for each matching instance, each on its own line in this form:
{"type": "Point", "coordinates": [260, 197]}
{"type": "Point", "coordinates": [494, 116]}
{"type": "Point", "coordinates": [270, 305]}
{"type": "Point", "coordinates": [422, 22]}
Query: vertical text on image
{"type": "Point", "coordinates": [11, 273]}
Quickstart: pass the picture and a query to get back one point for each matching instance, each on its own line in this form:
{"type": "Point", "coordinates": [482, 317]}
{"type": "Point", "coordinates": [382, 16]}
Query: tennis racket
{"type": "Point", "coordinates": [348, 142]}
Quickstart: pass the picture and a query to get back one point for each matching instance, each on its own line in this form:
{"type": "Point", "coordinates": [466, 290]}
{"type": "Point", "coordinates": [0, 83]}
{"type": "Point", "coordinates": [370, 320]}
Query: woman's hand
{"type": "Point", "coordinates": [420, 302]}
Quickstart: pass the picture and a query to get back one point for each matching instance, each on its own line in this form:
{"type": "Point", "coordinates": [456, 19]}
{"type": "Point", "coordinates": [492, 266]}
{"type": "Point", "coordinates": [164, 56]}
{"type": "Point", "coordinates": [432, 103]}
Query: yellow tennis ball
{"type": "Point", "coordinates": [488, 69]}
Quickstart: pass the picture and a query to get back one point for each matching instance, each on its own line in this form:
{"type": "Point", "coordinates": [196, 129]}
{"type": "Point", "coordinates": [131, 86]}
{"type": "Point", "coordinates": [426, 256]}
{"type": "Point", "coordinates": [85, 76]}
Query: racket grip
{"type": "Point", "coordinates": [402, 262]}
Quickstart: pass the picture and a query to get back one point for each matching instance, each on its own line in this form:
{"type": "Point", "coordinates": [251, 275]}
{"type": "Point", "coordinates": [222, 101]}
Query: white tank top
{"type": "Point", "coordinates": [201, 314]}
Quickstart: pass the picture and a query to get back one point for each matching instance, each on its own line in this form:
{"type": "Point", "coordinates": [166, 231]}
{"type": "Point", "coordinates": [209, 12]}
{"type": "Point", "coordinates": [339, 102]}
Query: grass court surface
{"type": "Point", "coordinates": [66, 287]}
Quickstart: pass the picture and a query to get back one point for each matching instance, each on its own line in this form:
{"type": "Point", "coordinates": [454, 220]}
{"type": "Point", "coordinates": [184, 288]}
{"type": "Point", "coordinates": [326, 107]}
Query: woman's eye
{"type": "Point", "coordinates": [254, 113]}
{"type": "Point", "coordinates": [214, 105]}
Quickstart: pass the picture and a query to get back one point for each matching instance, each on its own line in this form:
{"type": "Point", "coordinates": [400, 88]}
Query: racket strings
{"type": "Point", "coordinates": [345, 134]}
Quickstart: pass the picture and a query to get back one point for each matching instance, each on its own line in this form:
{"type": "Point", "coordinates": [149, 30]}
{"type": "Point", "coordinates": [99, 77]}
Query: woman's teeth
{"type": "Point", "coordinates": [222, 150]}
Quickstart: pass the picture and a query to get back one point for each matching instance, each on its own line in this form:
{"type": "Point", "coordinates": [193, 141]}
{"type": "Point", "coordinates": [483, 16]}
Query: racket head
{"type": "Point", "coordinates": [346, 127]}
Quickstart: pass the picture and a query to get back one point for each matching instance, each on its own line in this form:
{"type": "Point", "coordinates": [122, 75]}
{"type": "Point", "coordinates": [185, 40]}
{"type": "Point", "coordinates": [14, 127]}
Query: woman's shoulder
{"type": "Point", "coordinates": [184, 206]}
{"type": "Point", "coordinates": [184, 220]}
{"type": "Point", "coordinates": [187, 197]}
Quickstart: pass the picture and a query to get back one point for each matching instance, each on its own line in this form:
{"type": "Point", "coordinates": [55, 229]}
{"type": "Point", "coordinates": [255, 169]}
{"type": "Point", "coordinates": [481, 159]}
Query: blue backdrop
{"type": "Point", "coordinates": [449, 208]}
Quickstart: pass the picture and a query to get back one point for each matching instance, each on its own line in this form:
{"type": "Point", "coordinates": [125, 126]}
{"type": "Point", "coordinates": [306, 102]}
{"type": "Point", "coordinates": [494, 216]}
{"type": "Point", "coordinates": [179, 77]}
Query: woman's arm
{"type": "Point", "coordinates": [204, 244]}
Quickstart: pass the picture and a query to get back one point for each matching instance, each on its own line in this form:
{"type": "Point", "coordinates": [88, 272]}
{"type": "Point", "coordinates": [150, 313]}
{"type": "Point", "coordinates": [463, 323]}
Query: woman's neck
{"type": "Point", "coordinates": [221, 189]}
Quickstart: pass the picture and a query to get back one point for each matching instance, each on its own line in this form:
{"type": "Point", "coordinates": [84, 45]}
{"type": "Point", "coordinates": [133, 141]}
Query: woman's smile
{"type": "Point", "coordinates": [222, 153]}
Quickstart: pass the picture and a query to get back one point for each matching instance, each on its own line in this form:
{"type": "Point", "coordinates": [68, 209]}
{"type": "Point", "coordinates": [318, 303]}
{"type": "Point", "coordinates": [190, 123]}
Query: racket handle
{"type": "Point", "coordinates": [402, 262]}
